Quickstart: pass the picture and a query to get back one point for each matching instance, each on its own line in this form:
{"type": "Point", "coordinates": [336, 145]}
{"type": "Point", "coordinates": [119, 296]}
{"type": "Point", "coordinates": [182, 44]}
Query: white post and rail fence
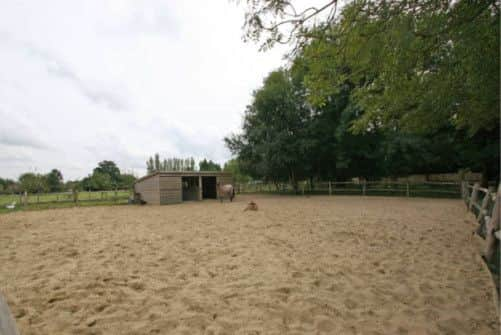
{"type": "Point", "coordinates": [77, 197]}
{"type": "Point", "coordinates": [406, 189]}
{"type": "Point", "coordinates": [486, 206]}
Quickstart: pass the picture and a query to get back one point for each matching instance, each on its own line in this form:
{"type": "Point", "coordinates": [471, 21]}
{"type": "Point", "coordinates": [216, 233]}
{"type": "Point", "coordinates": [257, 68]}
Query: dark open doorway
{"type": "Point", "coordinates": [209, 188]}
{"type": "Point", "coordinates": [190, 188]}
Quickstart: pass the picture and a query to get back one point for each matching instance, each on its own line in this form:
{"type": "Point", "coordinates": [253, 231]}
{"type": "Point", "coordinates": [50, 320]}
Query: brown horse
{"type": "Point", "coordinates": [225, 191]}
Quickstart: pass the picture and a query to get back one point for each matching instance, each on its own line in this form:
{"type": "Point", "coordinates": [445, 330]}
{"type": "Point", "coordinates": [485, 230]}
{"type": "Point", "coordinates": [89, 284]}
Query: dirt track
{"type": "Point", "coordinates": [333, 265]}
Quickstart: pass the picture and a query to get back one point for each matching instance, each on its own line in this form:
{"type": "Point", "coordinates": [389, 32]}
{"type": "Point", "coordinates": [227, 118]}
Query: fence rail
{"type": "Point", "coordinates": [62, 197]}
{"type": "Point", "coordinates": [439, 189]}
{"type": "Point", "coordinates": [485, 205]}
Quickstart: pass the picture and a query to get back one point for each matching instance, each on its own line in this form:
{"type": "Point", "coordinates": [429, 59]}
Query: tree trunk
{"type": "Point", "coordinates": [293, 180]}
{"type": "Point", "coordinates": [312, 186]}
{"type": "Point", "coordinates": [485, 176]}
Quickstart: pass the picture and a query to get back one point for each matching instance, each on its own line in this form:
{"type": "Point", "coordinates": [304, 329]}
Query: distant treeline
{"type": "Point", "coordinates": [154, 164]}
{"type": "Point", "coordinates": [106, 176]}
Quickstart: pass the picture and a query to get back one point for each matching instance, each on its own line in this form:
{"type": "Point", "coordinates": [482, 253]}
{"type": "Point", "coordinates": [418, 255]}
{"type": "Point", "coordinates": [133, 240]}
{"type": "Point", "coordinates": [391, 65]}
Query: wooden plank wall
{"type": "Point", "coordinates": [149, 189]}
{"type": "Point", "coordinates": [167, 189]}
{"type": "Point", "coordinates": [171, 190]}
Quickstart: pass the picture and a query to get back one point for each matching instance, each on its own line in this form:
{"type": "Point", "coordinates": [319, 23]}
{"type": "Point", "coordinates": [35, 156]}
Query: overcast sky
{"type": "Point", "coordinates": [84, 81]}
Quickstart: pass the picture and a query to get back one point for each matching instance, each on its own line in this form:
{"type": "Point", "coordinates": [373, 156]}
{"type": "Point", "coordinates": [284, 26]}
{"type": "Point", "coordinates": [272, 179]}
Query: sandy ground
{"type": "Point", "coordinates": [317, 265]}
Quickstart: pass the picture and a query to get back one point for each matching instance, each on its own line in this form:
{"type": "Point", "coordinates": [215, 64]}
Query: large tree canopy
{"type": "Point", "coordinates": [417, 65]}
{"type": "Point", "coordinates": [375, 88]}
{"type": "Point", "coordinates": [315, 120]}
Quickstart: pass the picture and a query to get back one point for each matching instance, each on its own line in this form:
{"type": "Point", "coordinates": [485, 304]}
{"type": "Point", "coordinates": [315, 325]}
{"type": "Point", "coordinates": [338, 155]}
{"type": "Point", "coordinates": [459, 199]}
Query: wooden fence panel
{"type": "Point", "coordinates": [492, 242]}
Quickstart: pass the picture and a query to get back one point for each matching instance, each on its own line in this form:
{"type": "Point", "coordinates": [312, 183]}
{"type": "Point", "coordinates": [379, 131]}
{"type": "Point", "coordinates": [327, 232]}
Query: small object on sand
{"type": "Point", "coordinates": [251, 206]}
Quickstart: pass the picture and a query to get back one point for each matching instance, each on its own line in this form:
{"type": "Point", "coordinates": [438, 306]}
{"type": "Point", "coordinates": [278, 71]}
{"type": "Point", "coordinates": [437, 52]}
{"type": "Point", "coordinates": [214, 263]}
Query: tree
{"type": "Point", "coordinates": [279, 21]}
{"type": "Point", "coordinates": [126, 181]}
{"type": "Point", "coordinates": [208, 165]}
{"type": "Point", "coordinates": [274, 144]}
{"type": "Point", "coordinates": [150, 165]}
{"type": "Point", "coordinates": [158, 166]}
{"type": "Point", "coordinates": [98, 181]}
{"type": "Point", "coordinates": [420, 65]}
{"type": "Point", "coordinates": [107, 176]}
{"type": "Point", "coordinates": [109, 168]}
{"type": "Point", "coordinates": [55, 180]}
{"type": "Point", "coordinates": [8, 186]}
{"type": "Point", "coordinates": [170, 164]}
{"type": "Point", "coordinates": [233, 167]}
{"type": "Point", "coordinates": [33, 183]}
{"type": "Point", "coordinates": [101, 181]}
{"type": "Point", "coordinates": [71, 185]}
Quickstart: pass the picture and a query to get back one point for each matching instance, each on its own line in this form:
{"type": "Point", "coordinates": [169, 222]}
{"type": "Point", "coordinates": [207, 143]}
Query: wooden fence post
{"type": "Point", "coordinates": [25, 198]}
{"type": "Point", "coordinates": [466, 194]}
{"type": "Point", "coordinates": [463, 190]}
{"type": "Point", "coordinates": [474, 196]}
{"type": "Point", "coordinates": [492, 227]}
{"type": "Point", "coordinates": [330, 188]}
{"type": "Point", "coordinates": [363, 187]}
{"type": "Point", "coordinates": [201, 188]}
{"type": "Point", "coordinates": [483, 207]}
{"type": "Point", "coordinates": [407, 190]}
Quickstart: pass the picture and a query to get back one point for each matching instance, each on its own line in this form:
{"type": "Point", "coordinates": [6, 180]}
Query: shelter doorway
{"type": "Point", "coordinates": [190, 188]}
{"type": "Point", "coordinates": [209, 190]}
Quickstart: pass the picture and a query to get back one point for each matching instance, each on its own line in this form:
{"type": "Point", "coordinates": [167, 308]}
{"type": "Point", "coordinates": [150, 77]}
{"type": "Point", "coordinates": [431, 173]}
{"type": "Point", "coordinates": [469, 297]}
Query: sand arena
{"type": "Point", "coordinates": [316, 265]}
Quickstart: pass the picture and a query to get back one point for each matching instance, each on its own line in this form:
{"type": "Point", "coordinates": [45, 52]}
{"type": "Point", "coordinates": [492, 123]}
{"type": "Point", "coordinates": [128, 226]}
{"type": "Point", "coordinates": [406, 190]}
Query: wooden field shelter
{"type": "Point", "coordinates": [162, 188]}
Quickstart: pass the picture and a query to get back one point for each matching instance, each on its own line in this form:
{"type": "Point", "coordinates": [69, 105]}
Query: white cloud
{"type": "Point", "coordinates": [120, 80]}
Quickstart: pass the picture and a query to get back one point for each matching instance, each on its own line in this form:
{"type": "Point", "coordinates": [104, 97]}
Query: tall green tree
{"type": "Point", "coordinates": [274, 142]}
{"type": "Point", "coordinates": [150, 165]}
{"type": "Point", "coordinates": [55, 180]}
{"type": "Point", "coordinates": [109, 168]}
